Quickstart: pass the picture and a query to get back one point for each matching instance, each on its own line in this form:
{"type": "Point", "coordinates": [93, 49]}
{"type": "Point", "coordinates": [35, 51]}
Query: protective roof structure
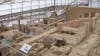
{"type": "Point", "coordinates": [17, 6]}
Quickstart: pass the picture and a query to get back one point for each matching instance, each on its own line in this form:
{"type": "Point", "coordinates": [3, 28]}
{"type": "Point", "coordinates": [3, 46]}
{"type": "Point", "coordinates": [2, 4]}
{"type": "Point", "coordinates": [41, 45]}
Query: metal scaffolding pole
{"type": "Point", "coordinates": [39, 10]}
{"type": "Point", "coordinates": [20, 17]}
{"type": "Point", "coordinates": [46, 10]}
{"type": "Point", "coordinates": [31, 9]}
{"type": "Point", "coordinates": [54, 5]}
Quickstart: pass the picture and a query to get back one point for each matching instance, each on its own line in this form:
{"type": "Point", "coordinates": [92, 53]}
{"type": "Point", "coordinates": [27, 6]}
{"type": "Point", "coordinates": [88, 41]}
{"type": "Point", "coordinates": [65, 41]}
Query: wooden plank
{"type": "Point", "coordinates": [38, 37]}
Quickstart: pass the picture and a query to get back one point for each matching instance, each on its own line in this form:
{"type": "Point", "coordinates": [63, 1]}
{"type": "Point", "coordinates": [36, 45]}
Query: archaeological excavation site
{"type": "Point", "coordinates": [49, 27]}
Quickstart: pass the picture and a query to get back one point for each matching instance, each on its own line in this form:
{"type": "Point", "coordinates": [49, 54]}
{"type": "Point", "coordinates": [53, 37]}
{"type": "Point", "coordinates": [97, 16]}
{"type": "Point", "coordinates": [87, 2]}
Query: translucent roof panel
{"type": "Point", "coordinates": [18, 5]}
{"type": "Point", "coordinates": [25, 5]}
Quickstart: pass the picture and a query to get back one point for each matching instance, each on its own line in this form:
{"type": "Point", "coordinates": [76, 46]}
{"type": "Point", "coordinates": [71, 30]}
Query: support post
{"type": "Point", "coordinates": [19, 25]}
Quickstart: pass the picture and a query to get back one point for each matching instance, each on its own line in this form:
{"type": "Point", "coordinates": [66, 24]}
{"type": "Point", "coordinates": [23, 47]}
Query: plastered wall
{"type": "Point", "coordinates": [77, 11]}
